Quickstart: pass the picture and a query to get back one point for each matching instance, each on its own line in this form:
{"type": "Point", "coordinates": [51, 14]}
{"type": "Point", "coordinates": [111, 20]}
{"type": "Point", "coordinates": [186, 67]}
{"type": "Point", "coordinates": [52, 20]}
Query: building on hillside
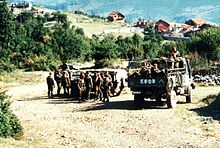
{"type": "Point", "coordinates": [181, 28]}
{"type": "Point", "coordinates": [115, 16]}
{"type": "Point", "coordinates": [162, 26]}
{"type": "Point", "coordinates": [23, 5]}
{"type": "Point", "coordinates": [205, 26]}
{"type": "Point", "coordinates": [143, 23]}
{"type": "Point", "coordinates": [196, 22]}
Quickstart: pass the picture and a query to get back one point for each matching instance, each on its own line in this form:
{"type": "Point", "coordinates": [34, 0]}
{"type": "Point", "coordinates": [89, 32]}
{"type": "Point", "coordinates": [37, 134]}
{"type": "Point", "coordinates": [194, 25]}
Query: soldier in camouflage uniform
{"type": "Point", "coordinates": [106, 85]}
{"type": "Point", "coordinates": [88, 85]}
{"type": "Point", "coordinates": [77, 92]}
{"type": "Point", "coordinates": [50, 84]}
{"type": "Point", "coordinates": [97, 85]}
{"type": "Point", "coordinates": [66, 83]}
{"type": "Point", "coordinates": [57, 77]}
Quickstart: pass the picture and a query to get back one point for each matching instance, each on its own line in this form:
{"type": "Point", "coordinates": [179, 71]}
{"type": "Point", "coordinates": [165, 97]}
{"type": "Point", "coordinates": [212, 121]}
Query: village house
{"type": "Point", "coordinates": [115, 16]}
{"type": "Point", "coordinates": [143, 23]}
{"type": "Point", "coordinates": [174, 31]}
{"type": "Point", "coordinates": [162, 26]}
{"type": "Point", "coordinates": [196, 22]}
{"type": "Point", "coordinates": [23, 5]}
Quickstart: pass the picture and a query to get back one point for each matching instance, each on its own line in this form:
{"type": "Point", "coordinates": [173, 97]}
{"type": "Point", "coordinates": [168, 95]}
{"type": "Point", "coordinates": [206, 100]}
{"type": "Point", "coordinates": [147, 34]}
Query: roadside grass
{"type": "Point", "coordinates": [209, 108]}
{"type": "Point", "coordinates": [205, 99]}
{"type": "Point", "coordinates": [20, 77]}
{"type": "Point", "coordinates": [204, 112]}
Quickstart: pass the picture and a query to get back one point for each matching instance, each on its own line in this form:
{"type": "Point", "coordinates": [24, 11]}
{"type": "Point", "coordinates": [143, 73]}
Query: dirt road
{"type": "Point", "coordinates": [66, 123]}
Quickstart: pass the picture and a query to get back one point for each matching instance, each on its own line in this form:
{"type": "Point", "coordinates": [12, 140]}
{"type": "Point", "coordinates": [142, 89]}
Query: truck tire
{"type": "Point", "coordinates": [138, 101]}
{"type": "Point", "coordinates": [170, 85]}
{"type": "Point", "coordinates": [171, 99]}
{"type": "Point", "coordinates": [189, 95]}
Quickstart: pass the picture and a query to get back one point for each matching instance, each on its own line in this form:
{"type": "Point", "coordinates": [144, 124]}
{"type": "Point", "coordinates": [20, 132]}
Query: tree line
{"type": "Point", "coordinates": [26, 43]}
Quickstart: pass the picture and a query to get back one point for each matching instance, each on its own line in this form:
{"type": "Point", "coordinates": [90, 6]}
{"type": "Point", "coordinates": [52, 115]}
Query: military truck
{"type": "Point", "coordinates": [174, 78]}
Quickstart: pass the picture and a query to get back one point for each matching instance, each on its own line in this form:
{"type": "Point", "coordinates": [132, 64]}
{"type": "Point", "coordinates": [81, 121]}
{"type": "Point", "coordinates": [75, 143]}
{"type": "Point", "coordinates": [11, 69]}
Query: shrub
{"type": "Point", "coordinates": [6, 66]}
{"type": "Point", "coordinates": [10, 126]}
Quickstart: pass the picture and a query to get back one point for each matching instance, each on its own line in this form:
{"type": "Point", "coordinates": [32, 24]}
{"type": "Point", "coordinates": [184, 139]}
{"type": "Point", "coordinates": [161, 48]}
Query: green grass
{"type": "Point", "coordinates": [94, 25]}
{"type": "Point", "coordinates": [19, 77]}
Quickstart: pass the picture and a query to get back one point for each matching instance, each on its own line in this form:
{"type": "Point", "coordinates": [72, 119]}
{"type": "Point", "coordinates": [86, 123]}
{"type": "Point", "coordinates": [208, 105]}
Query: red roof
{"type": "Point", "coordinates": [114, 13]}
{"type": "Point", "coordinates": [198, 21]}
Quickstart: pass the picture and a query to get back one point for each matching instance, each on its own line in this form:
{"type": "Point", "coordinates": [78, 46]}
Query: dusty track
{"type": "Point", "coordinates": [61, 122]}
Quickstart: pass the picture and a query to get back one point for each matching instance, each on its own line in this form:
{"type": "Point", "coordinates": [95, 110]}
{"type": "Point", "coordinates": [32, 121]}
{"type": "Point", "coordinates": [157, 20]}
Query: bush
{"type": "Point", "coordinates": [198, 62]}
{"type": "Point", "coordinates": [10, 126]}
{"type": "Point", "coordinates": [6, 66]}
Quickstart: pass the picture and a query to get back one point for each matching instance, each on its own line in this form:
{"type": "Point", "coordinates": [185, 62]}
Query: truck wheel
{"type": "Point", "coordinates": [189, 95]}
{"type": "Point", "coordinates": [171, 99]}
{"type": "Point", "coordinates": [138, 101]}
{"type": "Point", "coordinates": [170, 84]}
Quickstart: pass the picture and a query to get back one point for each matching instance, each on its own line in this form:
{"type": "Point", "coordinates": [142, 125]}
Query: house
{"type": "Point", "coordinates": [196, 22]}
{"type": "Point", "coordinates": [115, 16]}
{"type": "Point", "coordinates": [22, 5]}
{"type": "Point", "coordinates": [181, 28]}
{"type": "Point", "coordinates": [162, 26]}
{"type": "Point", "coordinates": [205, 26]}
{"type": "Point", "coordinates": [143, 23]}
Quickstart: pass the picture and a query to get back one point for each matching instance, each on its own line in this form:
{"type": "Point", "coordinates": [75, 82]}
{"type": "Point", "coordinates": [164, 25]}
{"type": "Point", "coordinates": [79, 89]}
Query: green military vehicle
{"type": "Point", "coordinates": [173, 78]}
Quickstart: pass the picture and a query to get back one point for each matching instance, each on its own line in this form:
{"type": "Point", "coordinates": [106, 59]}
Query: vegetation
{"type": "Point", "coordinates": [9, 123]}
{"type": "Point", "coordinates": [25, 42]}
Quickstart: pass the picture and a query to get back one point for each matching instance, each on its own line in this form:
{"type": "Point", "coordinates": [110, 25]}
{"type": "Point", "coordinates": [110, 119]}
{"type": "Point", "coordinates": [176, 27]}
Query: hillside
{"type": "Point", "coordinates": [97, 26]}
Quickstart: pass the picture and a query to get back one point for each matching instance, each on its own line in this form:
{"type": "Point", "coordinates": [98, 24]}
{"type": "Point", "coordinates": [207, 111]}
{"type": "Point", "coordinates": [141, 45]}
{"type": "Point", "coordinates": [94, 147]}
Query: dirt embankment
{"type": "Point", "coordinates": [62, 122]}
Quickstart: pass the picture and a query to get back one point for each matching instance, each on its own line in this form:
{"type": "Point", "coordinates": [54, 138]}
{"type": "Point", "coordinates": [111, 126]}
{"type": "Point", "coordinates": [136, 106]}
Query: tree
{"type": "Point", "coordinates": [6, 25]}
{"type": "Point", "coordinates": [137, 49]}
{"type": "Point", "coordinates": [25, 17]}
{"type": "Point", "coordinates": [206, 43]}
{"type": "Point", "coordinates": [151, 49]}
{"type": "Point", "coordinates": [122, 46]}
{"type": "Point", "coordinates": [106, 50]}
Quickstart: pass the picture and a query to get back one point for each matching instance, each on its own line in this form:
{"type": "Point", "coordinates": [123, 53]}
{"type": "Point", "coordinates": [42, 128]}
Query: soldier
{"type": "Point", "coordinates": [106, 74]}
{"type": "Point", "coordinates": [57, 77]}
{"type": "Point", "coordinates": [77, 89]}
{"type": "Point", "coordinates": [66, 83]}
{"type": "Point", "coordinates": [88, 85]}
{"type": "Point", "coordinates": [50, 84]}
{"type": "Point", "coordinates": [64, 66]}
{"type": "Point", "coordinates": [155, 71]}
{"type": "Point", "coordinates": [144, 69]}
{"type": "Point", "coordinates": [174, 57]}
{"type": "Point", "coordinates": [174, 54]}
{"type": "Point", "coordinates": [106, 85]}
{"type": "Point", "coordinates": [97, 84]}
{"type": "Point", "coordinates": [82, 86]}
{"type": "Point", "coordinates": [101, 87]}
{"type": "Point", "coordinates": [110, 83]}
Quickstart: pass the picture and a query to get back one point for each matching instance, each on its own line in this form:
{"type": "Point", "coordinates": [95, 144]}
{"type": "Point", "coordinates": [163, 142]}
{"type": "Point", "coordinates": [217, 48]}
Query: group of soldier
{"type": "Point", "coordinates": [80, 87]}
{"type": "Point", "coordinates": [148, 67]}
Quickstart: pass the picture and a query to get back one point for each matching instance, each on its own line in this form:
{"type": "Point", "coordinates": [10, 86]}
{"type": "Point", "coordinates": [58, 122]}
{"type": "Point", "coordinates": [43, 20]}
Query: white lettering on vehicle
{"type": "Point", "coordinates": [147, 81]}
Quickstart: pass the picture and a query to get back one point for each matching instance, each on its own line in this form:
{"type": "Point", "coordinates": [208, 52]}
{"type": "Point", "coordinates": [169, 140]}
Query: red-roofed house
{"type": "Point", "coordinates": [163, 26]}
{"type": "Point", "coordinates": [116, 16]}
{"type": "Point", "coordinates": [196, 22]}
